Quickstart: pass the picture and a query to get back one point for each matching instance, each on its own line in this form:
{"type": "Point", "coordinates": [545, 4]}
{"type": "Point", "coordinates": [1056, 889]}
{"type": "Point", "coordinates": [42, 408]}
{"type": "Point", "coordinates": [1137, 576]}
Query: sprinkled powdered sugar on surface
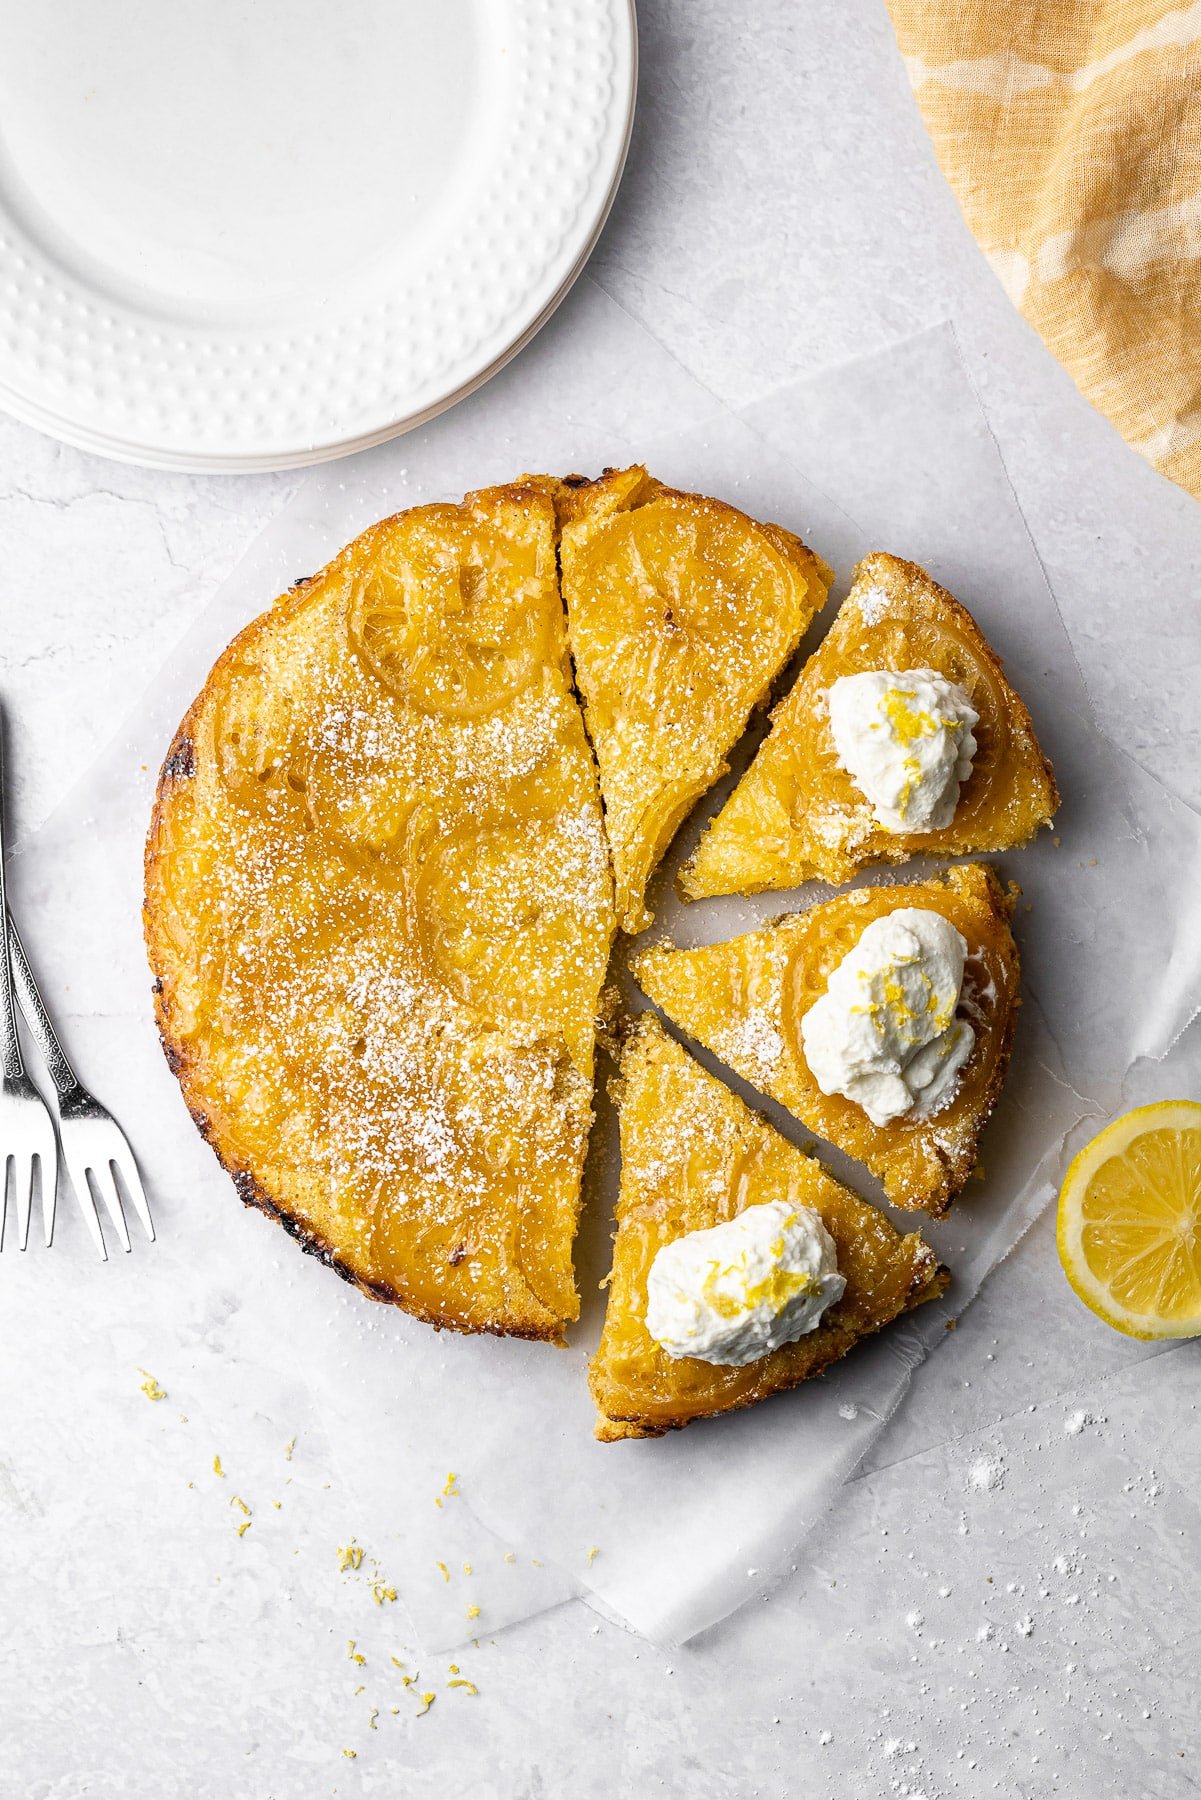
{"type": "Point", "coordinates": [754, 1041]}
{"type": "Point", "coordinates": [986, 1474]}
{"type": "Point", "coordinates": [1075, 1422]}
{"type": "Point", "coordinates": [873, 603]}
{"type": "Point", "coordinates": [841, 827]}
{"type": "Point", "coordinates": [391, 1057]}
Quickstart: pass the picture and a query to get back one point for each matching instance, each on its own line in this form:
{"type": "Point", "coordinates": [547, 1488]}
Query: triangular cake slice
{"type": "Point", "coordinates": [745, 1000]}
{"type": "Point", "coordinates": [379, 912]}
{"type": "Point", "coordinates": [681, 612]}
{"type": "Point", "coordinates": [692, 1156]}
{"type": "Point", "coordinates": [799, 815]}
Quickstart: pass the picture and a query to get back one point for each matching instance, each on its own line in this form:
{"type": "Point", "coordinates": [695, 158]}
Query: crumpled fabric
{"type": "Point", "coordinates": [1070, 131]}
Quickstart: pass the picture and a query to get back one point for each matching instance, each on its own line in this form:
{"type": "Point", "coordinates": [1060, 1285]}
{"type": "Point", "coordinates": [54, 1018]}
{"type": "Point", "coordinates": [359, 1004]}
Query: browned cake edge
{"type": "Point", "coordinates": [839, 866]}
{"type": "Point", "coordinates": [612, 1429]}
{"type": "Point", "coordinates": [179, 766]}
{"type": "Point", "coordinates": [918, 577]}
{"type": "Point", "coordinates": [584, 501]}
{"type": "Point", "coordinates": [1002, 902]}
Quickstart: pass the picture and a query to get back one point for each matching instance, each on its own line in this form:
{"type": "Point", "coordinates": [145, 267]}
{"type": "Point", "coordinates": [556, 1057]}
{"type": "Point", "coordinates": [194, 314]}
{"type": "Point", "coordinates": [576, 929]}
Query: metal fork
{"type": "Point", "coordinates": [95, 1149]}
{"type": "Point", "coordinates": [28, 1148]}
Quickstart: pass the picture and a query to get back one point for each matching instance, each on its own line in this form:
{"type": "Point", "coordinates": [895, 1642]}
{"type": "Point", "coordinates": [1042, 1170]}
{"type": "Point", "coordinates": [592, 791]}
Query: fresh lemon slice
{"type": "Point", "coordinates": [1129, 1226]}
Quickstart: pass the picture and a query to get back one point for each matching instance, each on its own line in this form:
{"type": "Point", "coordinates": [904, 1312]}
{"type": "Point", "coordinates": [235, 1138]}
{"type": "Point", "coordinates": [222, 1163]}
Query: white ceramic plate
{"type": "Point", "coordinates": [248, 234]}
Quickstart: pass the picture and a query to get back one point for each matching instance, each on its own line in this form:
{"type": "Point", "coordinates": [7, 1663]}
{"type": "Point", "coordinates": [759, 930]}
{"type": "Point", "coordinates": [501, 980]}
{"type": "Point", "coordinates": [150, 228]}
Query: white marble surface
{"type": "Point", "coordinates": [782, 212]}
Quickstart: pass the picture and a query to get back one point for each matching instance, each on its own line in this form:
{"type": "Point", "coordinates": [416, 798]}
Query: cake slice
{"type": "Point", "coordinates": [681, 612]}
{"type": "Point", "coordinates": [379, 912]}
{"type": "Point", "coordinates": [745, 1000]}
{"type": "Point", "coordinates": [694, 1155]}
{"type": "Point", "coordinates": [799, 814]}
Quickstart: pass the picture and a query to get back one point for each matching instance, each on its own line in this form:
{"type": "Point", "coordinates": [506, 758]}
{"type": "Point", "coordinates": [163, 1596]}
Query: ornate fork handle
{"type": "Point", "coordinates": [38, 1019]}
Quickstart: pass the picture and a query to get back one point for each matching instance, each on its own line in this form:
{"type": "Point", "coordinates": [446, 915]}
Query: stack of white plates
{"type": "Point", "coordinates": [250, 234]}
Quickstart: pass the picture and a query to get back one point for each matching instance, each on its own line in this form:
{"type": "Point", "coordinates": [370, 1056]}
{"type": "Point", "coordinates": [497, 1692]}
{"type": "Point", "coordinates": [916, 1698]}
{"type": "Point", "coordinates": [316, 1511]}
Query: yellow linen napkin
{"type": "Point", "coordinates": [1070, 131]}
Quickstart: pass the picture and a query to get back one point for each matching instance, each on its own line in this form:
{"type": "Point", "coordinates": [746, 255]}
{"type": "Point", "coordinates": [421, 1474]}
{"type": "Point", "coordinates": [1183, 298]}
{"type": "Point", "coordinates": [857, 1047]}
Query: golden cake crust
{"type": "Point", "coordinates": [681, 612]}
{"type": "Point", "coordinates": [798, 816]}
{"type": "Point", "coordinates": [744, 1001]}
{"type": "Point", "coordinates": [379, 910]}
{"type": "Point", "coordinates": [693, 1154]}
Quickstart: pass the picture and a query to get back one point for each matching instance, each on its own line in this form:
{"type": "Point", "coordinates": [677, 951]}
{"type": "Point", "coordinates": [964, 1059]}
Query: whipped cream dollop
{"type": "Point", "coordinates": [904, 736]}
{"type": "Point", "coordinates": [738, 1290]}
{"type": "Point", "coordinates": [885, 1033]}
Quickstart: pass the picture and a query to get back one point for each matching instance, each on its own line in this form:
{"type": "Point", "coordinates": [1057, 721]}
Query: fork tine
{"type": "Point", "coordinates": [87, 1206]}
{"type": "Point", "coordinates": [24, 1175]}
{"type": "Point", "coordinates": [130, 1181]}
{"type": "Point", "coordinates": [106, 1187]}
{"type": "Point", "coordinates": [50, 1196]}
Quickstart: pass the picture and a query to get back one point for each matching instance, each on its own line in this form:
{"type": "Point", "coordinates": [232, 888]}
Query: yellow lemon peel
{"type": "Point", "coordinates": [1128, 1228]}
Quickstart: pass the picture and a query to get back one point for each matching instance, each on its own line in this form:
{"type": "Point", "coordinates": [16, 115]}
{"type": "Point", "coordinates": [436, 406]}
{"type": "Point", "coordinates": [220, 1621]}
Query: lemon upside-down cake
{"type": "Point", "coordinates": [748, 1001]}
{"type": "Point", "coordinates": [384, 874]}
{"type": "Point", "coordinates": [799, 814]}
{"type": "Point", "coordinates": [379, 912]}
{"type": "Point", "coordinates": [682, 611]}
{"type": "Point", "coordinates": [692, 1156]}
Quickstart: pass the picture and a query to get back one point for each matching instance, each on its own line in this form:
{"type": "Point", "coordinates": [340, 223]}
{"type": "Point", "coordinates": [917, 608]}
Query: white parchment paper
{"type": "Point", "coordinates": [892, 453]}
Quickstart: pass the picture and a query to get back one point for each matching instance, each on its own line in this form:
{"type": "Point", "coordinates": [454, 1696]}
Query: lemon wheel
{"type": "Point", "coordinates": [1129, 1225]}
{"type": "Point", "coordinates": [455, 622]}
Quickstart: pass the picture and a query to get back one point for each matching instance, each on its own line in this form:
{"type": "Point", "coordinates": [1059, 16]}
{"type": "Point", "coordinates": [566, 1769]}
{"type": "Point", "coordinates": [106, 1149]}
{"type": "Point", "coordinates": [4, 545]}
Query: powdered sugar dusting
{"type": "Point", "coordinates": [986, 1474]}
{"type": "Point", "coordinates": [388, 951]}
{"type": "Point", "coordinates": [753, 1043]}
{"type": "Point", "coordinates": [873, 603]}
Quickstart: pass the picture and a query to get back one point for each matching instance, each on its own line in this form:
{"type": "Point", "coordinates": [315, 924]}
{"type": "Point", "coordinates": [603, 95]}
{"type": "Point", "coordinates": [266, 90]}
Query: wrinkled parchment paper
{"type": "Point", "coordinates": [669, 1536]}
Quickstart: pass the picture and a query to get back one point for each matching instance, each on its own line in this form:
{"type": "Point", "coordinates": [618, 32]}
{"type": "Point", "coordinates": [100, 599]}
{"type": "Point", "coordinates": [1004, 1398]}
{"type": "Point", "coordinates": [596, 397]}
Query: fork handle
{"type": "Point", "coordinates": [10, 1044]}
{"type": "Point", "coordinates": [36, 1016]}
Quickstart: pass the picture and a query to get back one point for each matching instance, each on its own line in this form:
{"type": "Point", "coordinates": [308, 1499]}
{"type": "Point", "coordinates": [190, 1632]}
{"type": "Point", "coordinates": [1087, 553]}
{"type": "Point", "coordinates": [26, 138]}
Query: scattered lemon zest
{"type": "Point", "coordinates": [427, 1700]}
{"type": "Point", "coordinates": [473, 1612]}
{"type": "Point", "coordinates": [237, 1500]}
{"type": "Point", "coordinates": [152, 1389]}
{"type": "Point", "coordinates": [277, 1504]}
{"type": "Point", "coordinates": [356, 1656]}
{"type": "Point", "coordinates": [374, 1716]}
{"type": "Point", "coordinates": [510, 1556]}
{"type": "Point", "coordinates": [350, 1556]}
{"type": "Point", "coordinates": [288, 1449]}
{"type": "Point", "coordinates": [469, 1685]}
{"type": "Point", "coordinates": [394, 1710]}
{"type": "Point", "coordinates": [398, 1662]}
{"type": "Point", "coordinates": [217, 1469]}
{"type": "Point", "coordinates": [444, 1569]}
{"type": "Point", "coordinates": [380, 1592]}
{"type": "Point", "coordinates": [244, 1527]}
{"type": "Point", "coordinates": [593, 1553]}
{"type": "Point", "coordinates": [466, 1568]}
{"type": "Point", "coordinates": [350, 1753]}
{"type": "Point", "coordinates": [361, 1689]}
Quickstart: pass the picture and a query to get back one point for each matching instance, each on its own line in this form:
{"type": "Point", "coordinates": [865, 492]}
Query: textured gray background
{"type": "Point", "coordinates": [782, 212]}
